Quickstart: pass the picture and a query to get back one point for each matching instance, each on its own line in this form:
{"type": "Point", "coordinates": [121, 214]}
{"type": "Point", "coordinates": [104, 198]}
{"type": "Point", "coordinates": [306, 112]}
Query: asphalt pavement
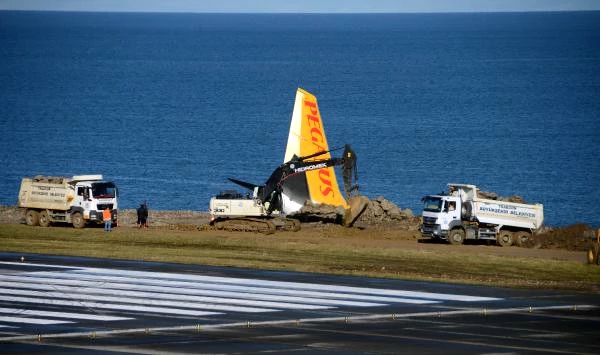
{"type": "Point", "coordinates": [54, 304]}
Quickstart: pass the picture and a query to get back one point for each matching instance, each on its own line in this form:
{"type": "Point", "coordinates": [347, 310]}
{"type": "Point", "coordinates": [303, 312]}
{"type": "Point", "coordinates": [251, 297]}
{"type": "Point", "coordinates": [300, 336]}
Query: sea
{"type": "Point", "coordinates": [169, 105]}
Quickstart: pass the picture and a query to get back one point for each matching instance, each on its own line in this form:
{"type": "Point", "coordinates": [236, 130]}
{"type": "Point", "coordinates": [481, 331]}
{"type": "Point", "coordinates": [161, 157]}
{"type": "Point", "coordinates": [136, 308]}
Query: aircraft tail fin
{"type": "Point", "coordinates": [307, 138]}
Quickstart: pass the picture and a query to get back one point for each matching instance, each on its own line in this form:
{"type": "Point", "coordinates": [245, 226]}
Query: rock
{"type": "Point", "coordinates": [381, 211]}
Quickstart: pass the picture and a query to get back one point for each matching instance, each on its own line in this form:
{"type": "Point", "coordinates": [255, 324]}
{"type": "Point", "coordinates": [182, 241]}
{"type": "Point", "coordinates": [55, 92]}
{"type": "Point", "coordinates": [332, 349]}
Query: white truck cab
{"type": "Point", "coordinates": [442, 213]}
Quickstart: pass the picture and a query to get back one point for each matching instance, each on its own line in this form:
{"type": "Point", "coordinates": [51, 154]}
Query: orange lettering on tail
{"type": "Point", "coordinates": [325, 178]}
{"type": "Point", "coordinates": [312, 105]}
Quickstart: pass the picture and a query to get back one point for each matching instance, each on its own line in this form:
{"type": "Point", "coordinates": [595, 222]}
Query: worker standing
{"type": "Point", "coordinates": [107, 218]}
{"type": "Point", "coordinates": [142, 214]}
{"type": "Point", "coordinates": [145, 214]}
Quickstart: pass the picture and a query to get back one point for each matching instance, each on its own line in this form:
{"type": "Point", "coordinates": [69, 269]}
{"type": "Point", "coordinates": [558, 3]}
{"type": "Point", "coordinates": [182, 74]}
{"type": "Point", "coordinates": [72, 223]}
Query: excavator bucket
{"type": "Point", "coordinates": [357, 205]}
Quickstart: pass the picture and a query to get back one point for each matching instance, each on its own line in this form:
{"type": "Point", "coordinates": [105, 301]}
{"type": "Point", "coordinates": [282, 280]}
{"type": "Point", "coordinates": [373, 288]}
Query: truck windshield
{"type": "Point", "coordinates": [104, 190]}
{"type": "Point", "coordinates": [432, 204]}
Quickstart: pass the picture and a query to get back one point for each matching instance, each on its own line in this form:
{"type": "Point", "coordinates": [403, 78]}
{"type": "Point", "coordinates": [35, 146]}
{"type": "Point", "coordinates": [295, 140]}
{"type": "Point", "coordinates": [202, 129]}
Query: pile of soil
{"type": "Point", "coordinates": [380, 213]}
{"type": "Point", "coordinates": [576, 237]}
{"type": "Point", "coordinates": [383, 213]}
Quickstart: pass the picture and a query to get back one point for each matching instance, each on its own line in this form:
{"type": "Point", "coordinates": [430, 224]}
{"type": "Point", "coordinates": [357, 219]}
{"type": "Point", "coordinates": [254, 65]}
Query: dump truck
{"type": "Point", "coordinates": [461, 214]}
{"type": "Point", "coordinates": [78, 200]}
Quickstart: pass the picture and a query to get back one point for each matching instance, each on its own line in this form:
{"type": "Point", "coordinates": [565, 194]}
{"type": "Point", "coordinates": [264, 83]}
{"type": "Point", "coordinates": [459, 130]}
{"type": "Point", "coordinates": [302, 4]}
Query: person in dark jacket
{"type": "Point", "coordinates": [142, 215]}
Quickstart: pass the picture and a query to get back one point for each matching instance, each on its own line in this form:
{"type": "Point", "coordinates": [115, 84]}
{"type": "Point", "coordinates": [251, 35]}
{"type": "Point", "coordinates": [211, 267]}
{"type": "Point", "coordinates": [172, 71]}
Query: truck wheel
{"type": "Point", "coordinates": [32, 218]}
{"type": "Point", "coordinates": [505, 239]}
{"type": "Point", "coordinates": [592, 254]}
{"type": "Point", "coordinates": [521, 238]}
{"type": "Point", "coordinates": [77, 220]}
{"type": "Point", "coordinates": [456, 237]}
{"type": "Point", "coordinates": [44, 219]}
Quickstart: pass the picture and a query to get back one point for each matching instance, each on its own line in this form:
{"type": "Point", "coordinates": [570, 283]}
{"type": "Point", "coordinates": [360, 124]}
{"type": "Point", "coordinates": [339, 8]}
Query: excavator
{"type": "Point", "coordinates": [265, 210]}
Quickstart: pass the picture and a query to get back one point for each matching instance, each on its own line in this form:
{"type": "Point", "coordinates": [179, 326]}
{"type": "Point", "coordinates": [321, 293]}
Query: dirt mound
{"type": "Point", "coordinates": [378, 213]}
{"type": "Point", "coordinates": [576, 237]}
{"type": "Point", "coordinates": [319, 213]}
{"type": "Point", "coordinates": [11, 215]}
{"type": "Point", "coordinates": [381, 212]}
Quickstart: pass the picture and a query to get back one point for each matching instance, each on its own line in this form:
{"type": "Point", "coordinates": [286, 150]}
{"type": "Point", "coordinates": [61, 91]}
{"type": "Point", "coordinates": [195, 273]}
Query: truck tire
{"type": "Point", "coordinates": [77, 220]}
{"type": "Point", "coordinates": [44, 219]}
{"type": "Point", "coordinates": [592, 254]}
{"type": "Point", "coordinates": [456, 236]}
{"type": "Point", "coordinates": [32, 218]}
{"type": "Point", "coordinates": [521, 238]}
{"type": "Point", "coordinates": [505, 238]}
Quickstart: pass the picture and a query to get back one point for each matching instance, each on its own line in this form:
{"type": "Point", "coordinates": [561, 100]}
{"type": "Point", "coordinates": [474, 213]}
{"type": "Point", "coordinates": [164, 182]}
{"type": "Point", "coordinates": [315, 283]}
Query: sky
{"type": "Point", "coordinates": [302, 6]}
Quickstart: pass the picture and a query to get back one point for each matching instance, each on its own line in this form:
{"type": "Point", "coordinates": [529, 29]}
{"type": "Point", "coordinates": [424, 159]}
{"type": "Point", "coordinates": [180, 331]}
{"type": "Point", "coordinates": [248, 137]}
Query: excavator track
{"type": "Point", "coordinates": [256, 225]}
{"type": "Point", "coordinates": [287, 224]}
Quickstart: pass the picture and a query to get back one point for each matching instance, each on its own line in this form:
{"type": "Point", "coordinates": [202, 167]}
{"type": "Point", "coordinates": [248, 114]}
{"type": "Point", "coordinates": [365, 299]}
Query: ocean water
{"type": "Point", "coordinates": [170, 105]}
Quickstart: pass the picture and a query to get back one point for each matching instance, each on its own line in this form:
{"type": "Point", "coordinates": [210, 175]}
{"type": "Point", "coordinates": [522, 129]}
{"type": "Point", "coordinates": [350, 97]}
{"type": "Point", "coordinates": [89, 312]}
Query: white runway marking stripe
{"type": "Point", "coordinates": [296, 286]}
{"type": "Point", "coordinates": [32, 320]}
{"type": "Point", "coordinates": [90, 292]}
{"type": "Point", "coordinates": [128, 299]}
{"type": "Point", "coordinates": [98, 305]}
{"type": "Point", "coordinates": [191, 294]}
{"type": "Point", "coordinates": [219, 289]}
{"type": "Point", "coordinates": [284, 297]}
{"type": "Point", "coordinates": [282, 284]}
{"type": "Point", "coordinates": [67, 315]}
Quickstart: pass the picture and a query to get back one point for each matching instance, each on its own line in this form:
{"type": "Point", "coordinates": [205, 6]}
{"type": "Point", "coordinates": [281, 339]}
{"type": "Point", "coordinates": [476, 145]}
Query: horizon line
{"type": "Point", "coordinates": [299, 12]}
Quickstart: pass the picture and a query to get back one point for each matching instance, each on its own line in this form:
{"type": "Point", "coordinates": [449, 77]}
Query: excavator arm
{"type": "Point", "coordinates": [271, 191]}
{"type": "Point", "coordinates": [270, 194]}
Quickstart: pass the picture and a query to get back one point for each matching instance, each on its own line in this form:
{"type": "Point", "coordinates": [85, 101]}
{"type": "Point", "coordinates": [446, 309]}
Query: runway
{"type": "Point", "coordinates": [51, 304]}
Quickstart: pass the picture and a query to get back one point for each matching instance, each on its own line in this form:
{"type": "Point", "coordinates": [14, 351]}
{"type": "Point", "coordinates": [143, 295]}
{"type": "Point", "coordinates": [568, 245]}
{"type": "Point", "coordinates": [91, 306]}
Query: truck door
{"type": "Point", "coordinates": [453, 211]}
{"type": "Point", "coordinates": [80, 195]}
{"type": "Point", "coordinates": [83, 195]}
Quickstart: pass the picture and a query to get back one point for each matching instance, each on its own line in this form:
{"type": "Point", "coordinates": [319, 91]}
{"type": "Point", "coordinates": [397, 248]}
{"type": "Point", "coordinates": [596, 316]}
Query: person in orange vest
{"type": "Point", "coordinates": [107, 218]}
